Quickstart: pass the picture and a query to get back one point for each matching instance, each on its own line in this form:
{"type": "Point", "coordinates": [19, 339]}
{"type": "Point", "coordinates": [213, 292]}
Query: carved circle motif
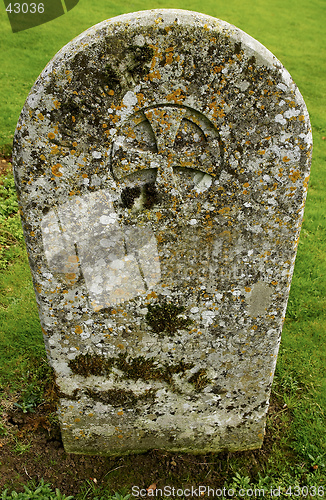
{"type": "Point", "coordinates": [175, 147]}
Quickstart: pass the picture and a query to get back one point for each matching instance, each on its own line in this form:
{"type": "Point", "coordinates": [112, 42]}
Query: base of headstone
{"type": "Point", "coordinates": [95, 436]}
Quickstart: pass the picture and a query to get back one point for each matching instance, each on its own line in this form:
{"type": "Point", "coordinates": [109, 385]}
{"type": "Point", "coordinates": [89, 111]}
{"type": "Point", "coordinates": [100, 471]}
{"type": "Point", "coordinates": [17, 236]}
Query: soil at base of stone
{"type": "Point", "coordinates": [32, 449]}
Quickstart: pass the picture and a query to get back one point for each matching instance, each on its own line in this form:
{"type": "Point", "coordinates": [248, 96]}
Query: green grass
{"type": "Point", "coordinates": [295, 33]}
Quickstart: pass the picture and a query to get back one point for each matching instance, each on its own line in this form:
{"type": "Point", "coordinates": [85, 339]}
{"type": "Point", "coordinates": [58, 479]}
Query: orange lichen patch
{"type": "Point", "coordinates": [248, 289]}
{"type": "Point", "coordinates": [151, 295]}
{"type": "Point", "coordinates": [152, 75]}
{"type": "Point", "coordinates": [51, 135]}
{"type": "Point", "coordinates": [224, 210]}
{"type": "Point", "coordinates": [246, 184]}
{"type": "Point", "coordinates": [286, 159]}
{"type": "Point", "coordinates": [120, 436]}
{"type": "Point", "coordinates": [254, 327]}
{"type": "Point", "coordinates": [55, 170]}
{"type": "Point", "coordinates": [120, 412]}
{"type": "Point", "coordinates": [42, 157]}
{"type": "Point", "coordinates": [78, 329]}
{"type": "Point", "coordinates": [121, 346]}
{"type": "Point", "coordinates": [305, 182]}
{"type": "Point", "coordinates": [157, 57]}
{"type": "Point", "coordinates": [261, 151]}
{"type": "Point", "coordinates": [274, 283]}
{"type": "Point", "coordinates": [169, 55]}
{"type": "Point", "coordinates": [294, 175]}
{"type": "Point", "coordinates": [274, 187]}
{"type": "Point", "coordinates": [158, 215]}
{"type": "Point", "coordinates": [40, 116]}
{"type": "Point", "coordinates": [141, 99]}
{"type": "Point", "coordinates": [111, 92]}
{"type": "Point", "coordinates": [177, 97]}
{"type": "Point", "coordinates": [56, 104]}
{"type": "Point", "coordinates": [77, 419]}
{"type": "Point", "coordinates": [73, 152]}
{"type": "Point", "coordinates": [301, 118]}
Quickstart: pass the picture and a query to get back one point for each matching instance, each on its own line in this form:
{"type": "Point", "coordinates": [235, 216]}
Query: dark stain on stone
{"type": "Point", "coordinates": [199, 379]}
{"type": "Point", "coordinates": [237, 48]}
{"type": "Point", "coordinates": [128, 196]}
{"type": "Point", "coordinates": [142, 56]}
{"type": "Point", "coordinates": [110, 77]}
{"type": "Point", "coordinates": [151, 196]}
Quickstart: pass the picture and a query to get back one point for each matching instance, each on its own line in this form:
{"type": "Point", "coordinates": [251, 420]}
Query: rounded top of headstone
{"type": "Point", "coordinates": [160, 57]}
{"type": "Point", "coordinates": [160, 20]}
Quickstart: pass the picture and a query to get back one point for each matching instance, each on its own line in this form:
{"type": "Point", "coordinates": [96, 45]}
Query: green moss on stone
{"type": "Point", "coordinates": [120, 397]}
{"type": "Point", "coordinates": [136, 368]}
{"type": "Point", "coordinates": [149, 369]}
{"type": "Point", "coordinates": [90, 364]}
{"type": "Point", "coordinates": [166, 318]}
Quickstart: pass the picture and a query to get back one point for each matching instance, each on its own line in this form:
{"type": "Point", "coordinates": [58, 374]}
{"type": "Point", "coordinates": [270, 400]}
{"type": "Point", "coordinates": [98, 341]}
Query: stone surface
{"type": "Point", "coordinates": [161, 162]}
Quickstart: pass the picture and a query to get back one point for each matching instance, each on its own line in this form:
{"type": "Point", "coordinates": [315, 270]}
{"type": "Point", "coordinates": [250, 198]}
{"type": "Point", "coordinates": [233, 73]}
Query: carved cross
{"type": "Point", "coordinates": [168, 139]}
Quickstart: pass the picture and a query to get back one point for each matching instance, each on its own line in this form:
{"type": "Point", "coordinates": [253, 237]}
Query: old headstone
{"type": "Point", "coordinates": [161, 162]}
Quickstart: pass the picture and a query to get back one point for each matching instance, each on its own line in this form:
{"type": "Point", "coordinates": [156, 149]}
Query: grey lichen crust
{"type": "Point", "coordinates": [161, 162]}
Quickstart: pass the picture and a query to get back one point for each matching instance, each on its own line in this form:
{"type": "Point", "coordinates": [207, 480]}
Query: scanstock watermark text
{"type": "Point", "coordinates": [207, 491]}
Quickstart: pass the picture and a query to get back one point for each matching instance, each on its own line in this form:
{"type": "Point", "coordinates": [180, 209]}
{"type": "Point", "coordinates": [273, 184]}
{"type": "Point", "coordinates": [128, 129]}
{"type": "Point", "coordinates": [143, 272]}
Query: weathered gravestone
{"type": "Point", "coordinates": [161, 161]}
